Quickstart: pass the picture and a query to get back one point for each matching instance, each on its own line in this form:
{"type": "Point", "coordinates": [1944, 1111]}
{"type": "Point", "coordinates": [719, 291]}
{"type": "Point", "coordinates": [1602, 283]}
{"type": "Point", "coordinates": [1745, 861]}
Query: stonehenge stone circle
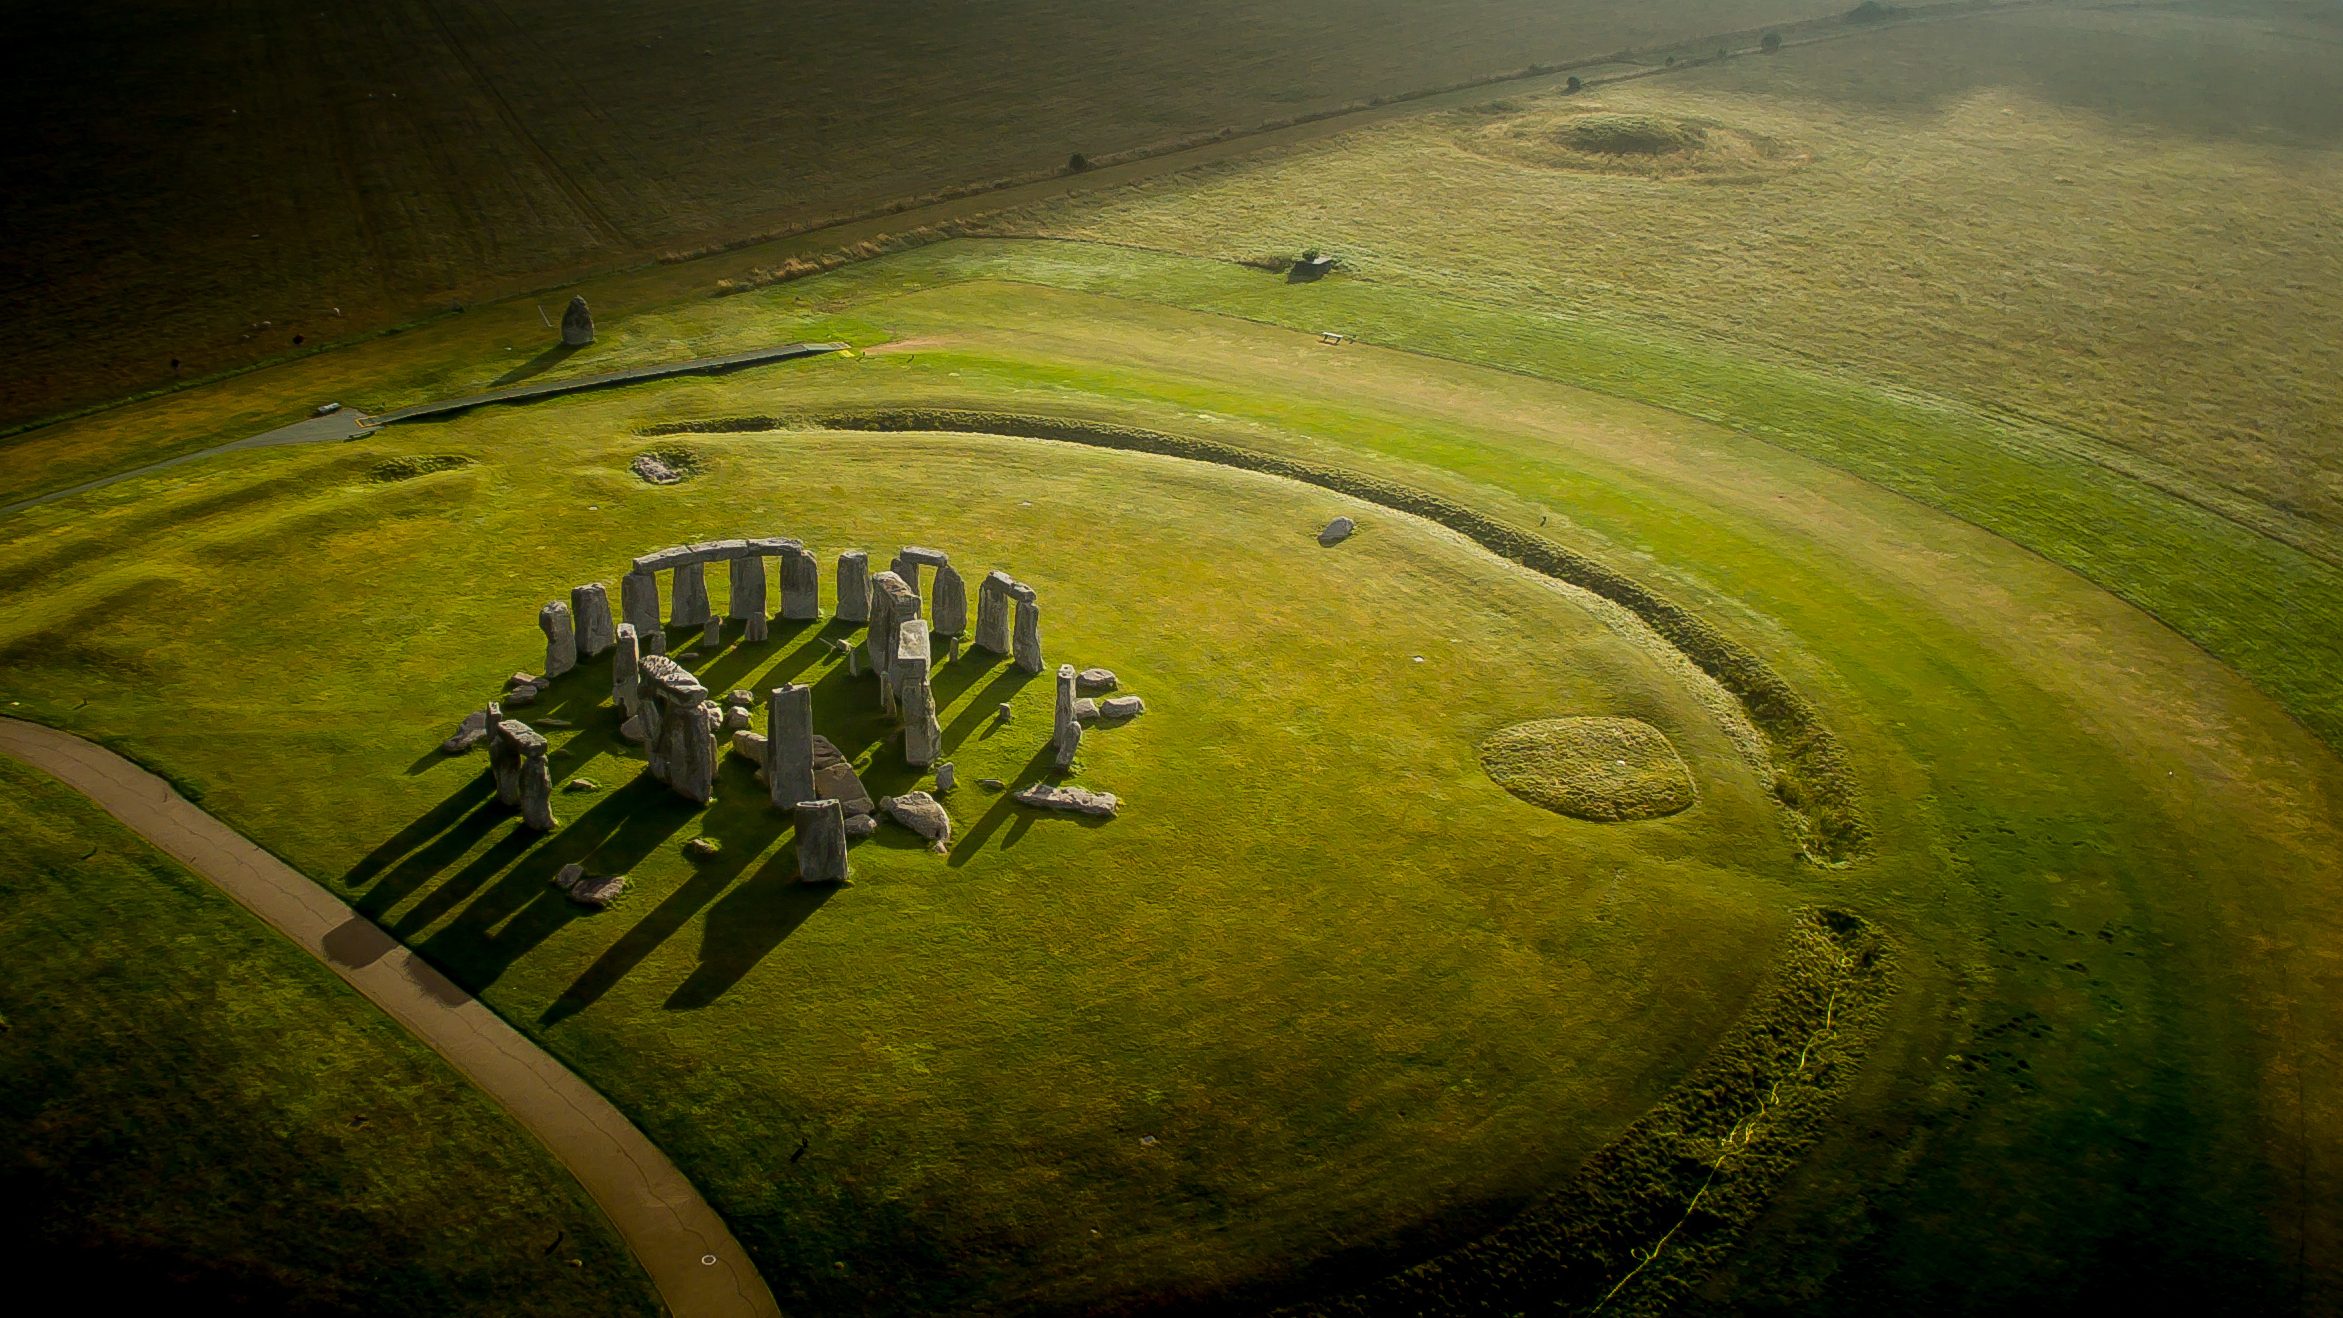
{"type": "Point", "coordinates": [950, 604]}
{"type": "Point", "coordinates": [690, 606]}
{"type": "Point", "coordinates": [638, 604]}
{"type": "Point", "coordinates": [626, 663]}
{"type": "Point", "coordinates": [577, 323]}
{"type": "Point", "coordinates": [854, 586]}
{"type": "Point", "coordinates": [923, 734]}
{"type": "Point", "coordinates": [801, 583]}
{"type": "Point", "coordinates": [789, 745]}
{"type": "Point", "coordinates": [589, 609]}
{"type": "Point", "coordinates": [746, 603]}
{"type": "Point", "coordinates": [821, 841]}
{"type": "Point", "coordinates": [516, 762]}
{"type": "Point", "coordinates": [561, 638]}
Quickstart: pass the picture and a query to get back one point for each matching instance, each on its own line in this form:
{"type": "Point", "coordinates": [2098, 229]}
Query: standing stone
{"type": "Point", "coordinates": [951, 603]}
{"type": "Point", "coordinates": [1068, 736]}
{"type": "Point", "coordinates": [892, 605]}
{"type": "Point", "coordinates": [945, 777]}
{"type": "Point", "coordinates": [923, 733]}
{"type": "Point", "coordinates": [680, 724]}
{"type": "Point", "coordinates": [505, 756]}
{"type": "Point", "coordinates": [691, 594]}
{"type": "Point", "coordinates": [908, 569]}
{"type": "Point", "coordinates": [561, 638]}
{"type": "Point", "coordinates": [626, 661]}
{"type": "Point", "coordinates": [577, 324]}
{"type": "Point", "coordinates": [789, 744]}
{"type": "Point", "coordinates": [854, 586]}
{"type": "Point", "coordinates": [589, 608]}
{"type": "Point", "coordinates": [1027, 648]}
{"type": "Point", "coordinates": [992, 612]}
{"type": "Point", "coordinates": [821, 842]}
{"type": "Point", "coordinates": [746, 603]}
{"type": "Point", "coordinates": [801, 584]}
{"type": "Point", "coordinates": [638, 602]}
{"type": "Point", "coordinates": [536, 787]}
{"type": "Point", "coordinates": [712, 635]}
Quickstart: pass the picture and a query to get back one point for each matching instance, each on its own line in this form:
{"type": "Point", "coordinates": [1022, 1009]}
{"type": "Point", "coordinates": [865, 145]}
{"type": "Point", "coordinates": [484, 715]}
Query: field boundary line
{"type": "Point", "coordinates": [692, 1258]}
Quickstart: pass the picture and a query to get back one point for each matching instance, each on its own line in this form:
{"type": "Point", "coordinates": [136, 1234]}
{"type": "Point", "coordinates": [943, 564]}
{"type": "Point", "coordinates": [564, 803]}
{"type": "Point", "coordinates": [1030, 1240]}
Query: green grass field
{"type": "Point", "coordinates": [197, 1113]}
{"type": "Point", "coordinates": [1928, 433]}
{"type": "Point", "coordinates": [1338, 975]}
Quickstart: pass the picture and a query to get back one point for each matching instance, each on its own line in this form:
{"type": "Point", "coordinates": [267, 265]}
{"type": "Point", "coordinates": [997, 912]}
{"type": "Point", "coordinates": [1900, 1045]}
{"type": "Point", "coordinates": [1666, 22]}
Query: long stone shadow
{"type": "Point", "coordinates": [466, 798]}
{"type": "Point", "coordinates": [544, 361]}
{"type": "Point", "coordinates": [745, 926]}
{"type": "Point", "coordinates": [967, 844]}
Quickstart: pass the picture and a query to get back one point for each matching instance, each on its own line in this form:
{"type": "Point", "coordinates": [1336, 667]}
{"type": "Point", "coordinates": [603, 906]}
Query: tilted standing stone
{"type": "Point", "coordinates": [626, 662]}
{"type": "Point", "coordinates": [1068, 738]}
{"type": "Point", "coordinates": [923, 733]}
{"type": "Point", "coordinates": [854, 586]}
{"type": "Point", "coordinates": [577, 323]}
{"type": "Point", "coordinates": [691, 594]}
{"type": "Point", "coordinates": [992, 612]}
{"type": "Point", "coordinates": [801, 584]}
{"type": "Point", "coordinates": [821, 842]}
{"type": "Point", "coordinates": [789, 744]}
{"type": "Point", "coordinates": [892, 605]}
{"type": "Point", "coordinates": [1027, 648]}
{"type": "Point", "coordinates": [951, 603]}
{"type": "Point", "coordinates": [589, 608]}
{"type": "Point", "coordinates": [746, 603]}
{"type": "Point", "coordinates": [561, 638]}
{"type": "Point", "coordinates": [638, 602]}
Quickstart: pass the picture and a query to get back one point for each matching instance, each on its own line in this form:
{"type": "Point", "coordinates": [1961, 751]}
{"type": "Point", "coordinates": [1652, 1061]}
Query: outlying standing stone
{"type": "Point", "coordinates": [589, 608]}
{"type": "Point", "coordinates": [821, 842]}
{"type": "Point", "coordinates": [920, 813]}
{"type": "Point", "coordinates": [1042, 796]}
{"type": "Point", "coordinates": [561, 638]}
{"type": "Point", "coordinates": [1337, 531]}
{"type": "Point", "coordinates": [577, 323]}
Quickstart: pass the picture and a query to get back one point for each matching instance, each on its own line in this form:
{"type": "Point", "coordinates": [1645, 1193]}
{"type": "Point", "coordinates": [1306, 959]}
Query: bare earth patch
{"type": "Point", "coordinates": [1603, 769]}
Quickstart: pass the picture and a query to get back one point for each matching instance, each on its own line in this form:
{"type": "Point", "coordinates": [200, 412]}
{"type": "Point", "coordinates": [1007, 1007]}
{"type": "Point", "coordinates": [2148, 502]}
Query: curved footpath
{"type": "Point", "coordinates": [689, 1253]}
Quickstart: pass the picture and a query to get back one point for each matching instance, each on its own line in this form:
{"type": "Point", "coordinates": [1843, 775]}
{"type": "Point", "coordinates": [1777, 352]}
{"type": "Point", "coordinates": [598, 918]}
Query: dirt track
{"type": "Point", "coordinates": [690, 1255]}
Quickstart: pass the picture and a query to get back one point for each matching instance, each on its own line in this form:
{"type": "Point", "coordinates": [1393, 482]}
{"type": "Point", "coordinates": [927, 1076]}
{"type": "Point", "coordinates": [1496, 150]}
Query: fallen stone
{"type": "Point", "coordinates": [573, 880]}
{"type": "Point", "coordinates": [700, 848]}
{"type": "Point", "coordinates": [749, 746]}
{"type": "Point", "coordinates": [519, 680]}
{"type": "Point", "coordinates": [581, 785]}
{"type": "Point", "coordinates": [1042, 796]}
{"type": "Point", "coordinates": [861, 826]}
{"type": "Point", "coordinates": [1121, 707]}
{"type": "Point", "coordinates": [836, 780]}
{"type": "Point", "coordinates": [740, 698]}
{"type": "Point", "coordinates": [1094, 680]}
{"type": "Point", "coordinates": [469, 733]}
{"type": "Point", "coordinates": [654, 471]}
{"type": "Point", "coordinates": [991, 784]}
{"type": "Point", "coordinates": [520, 696]}
{"type": "Point", "coordinates": [922, 814]}
{"type": "Point", "coordinates": [1086, 710]}
{"type": "Point", "coordinates": [1337, 531]}
{"type": "Point", "coordinates": [738, 720]}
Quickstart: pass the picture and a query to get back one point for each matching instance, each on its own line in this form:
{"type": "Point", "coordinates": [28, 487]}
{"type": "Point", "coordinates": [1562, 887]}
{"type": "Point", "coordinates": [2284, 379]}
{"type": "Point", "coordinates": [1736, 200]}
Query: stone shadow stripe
{"type": "Point", "coordinates": [692, 1258]}
{"type": "Point", "coordinates": [1811, 778]}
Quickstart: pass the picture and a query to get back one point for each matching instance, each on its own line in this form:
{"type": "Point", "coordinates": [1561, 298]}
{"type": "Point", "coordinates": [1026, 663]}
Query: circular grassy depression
{"type": "Point", "coordinates": [1589, 139]}
{"type": "Point", "coordinates": [1604, 769]}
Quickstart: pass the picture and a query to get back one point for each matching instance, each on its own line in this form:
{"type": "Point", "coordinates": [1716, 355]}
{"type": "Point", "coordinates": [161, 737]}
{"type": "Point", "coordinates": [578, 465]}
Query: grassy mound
{"type": "Point", "coordinates": [1590, 139]}
{"type": "Point", "coordinates": [1606, 769]}
{"type": "Point", "coordinates": [409, 466]}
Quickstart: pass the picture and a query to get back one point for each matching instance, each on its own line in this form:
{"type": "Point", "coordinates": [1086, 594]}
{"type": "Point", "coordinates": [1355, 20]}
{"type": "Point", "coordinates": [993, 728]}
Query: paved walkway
{"type": "Point", "coordinates": [690, 1254]}
{"type": "Point", "coordinates": [347, 424]}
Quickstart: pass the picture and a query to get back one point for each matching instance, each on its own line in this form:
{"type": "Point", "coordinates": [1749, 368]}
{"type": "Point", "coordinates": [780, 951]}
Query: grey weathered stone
{"type": "Point", "coordinates": [854, 586]}
{"type": "Point", "coordinates": [1066, 732]}
{"type": "Point", "coordinates": [746, 601]}
{"type": "Point", "coordinates": [585, 889]}
{"type": "Point", "coordinates": [1337, 531]}
{"type": "Point", "coordinates": [922, 556]}
{"type": "Point", "coordinates": [955, 649]}
{"type": "Point", "coordinates": [469, 733]}
{"type": "Point", "coordinates": [716, 551]}
{"type": "Point", "coordinates": [561, 638]}
{"type": "Point", "coordinates": [945, 777]}
{"type": "Point", "coordinates": [660, 560]}
{"type": "Point", "coordinates": [635, 729]}
{"type": "Point", "coordinates": [992, 612]}
{"type": "Point", "coordinates": [739, 697]}
{"type": "Point", "coordinates": [750, 746]}
{"type": "Point", "coordinates": [626, 662]}
{"type": "Point", "coordinates": [789, 745]}
{"type": "Point", "coordinates": [801, 584]}
{"type": "Point", "coordinates": [861, 826]}
{"type": "Point", "coordinates": [581, 785]}
{"type": "Point", "coordinates": [1003, 712]}
{"type": "Point", "coordinates": [712, 633]}
{"type": "Point", "coordinates": [1091, 681]}
{"type": "Point", "coordinates": [906, 569]}
{"type": "Point", "coordinates": [892, 605]}
{"type": "Point", "coordinates": [519, 680]}
{"type": "Point", "coordinates": [577, 323]}
{"type": "Point", "coordinates": [589, 608]}
{"type": "Point", "coordinates": [923, 815]}
{"type": "Point", "coordinates": [509, 744]}
{"type": "Point", "coordinates": [821, 841]}
{"type": "Point", "coordinates": [536, 787]}
{"type": "Point", "coordinates": [1116, 708]}
{"type": "Point", "coordinates": [835, 778]}
{"type": "Point", "coordinates": [679, 722]}
{"type": "Point", "coordinates": [923, 733]}
{"type": "Point", "coordinates": [638, 605]}
{"type": "Point", "coordinates": [1085, 710]}
{"type": "Point", "coordinates": [1043, 796]}
{"type": "Point", "coordinates": [521, 695]}
{"type": "Point", "coordinates": [736, 719]}
{"type": "Point", "coordinates": [689, 608]}
{"type": "Point", "coordinates": [950, 603]}
{"type": "Point", "coordinates": [1027, 646]}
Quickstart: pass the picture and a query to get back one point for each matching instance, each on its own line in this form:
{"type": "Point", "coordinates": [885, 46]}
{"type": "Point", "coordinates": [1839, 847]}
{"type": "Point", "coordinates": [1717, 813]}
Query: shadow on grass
{"type": "Point", "coordinates": [537, 365]}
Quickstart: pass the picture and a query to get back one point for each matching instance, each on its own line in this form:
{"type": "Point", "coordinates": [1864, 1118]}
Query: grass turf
{"type": "Point", "coordinates": [1590, 768]}
{"type": "Point", "coordinates": [193, 1112]}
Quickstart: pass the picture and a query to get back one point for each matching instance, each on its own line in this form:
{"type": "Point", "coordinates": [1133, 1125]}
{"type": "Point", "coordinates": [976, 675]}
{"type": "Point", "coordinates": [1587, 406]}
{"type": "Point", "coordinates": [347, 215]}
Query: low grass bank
{"type": "Point", "coordinates": [194, 1114]}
